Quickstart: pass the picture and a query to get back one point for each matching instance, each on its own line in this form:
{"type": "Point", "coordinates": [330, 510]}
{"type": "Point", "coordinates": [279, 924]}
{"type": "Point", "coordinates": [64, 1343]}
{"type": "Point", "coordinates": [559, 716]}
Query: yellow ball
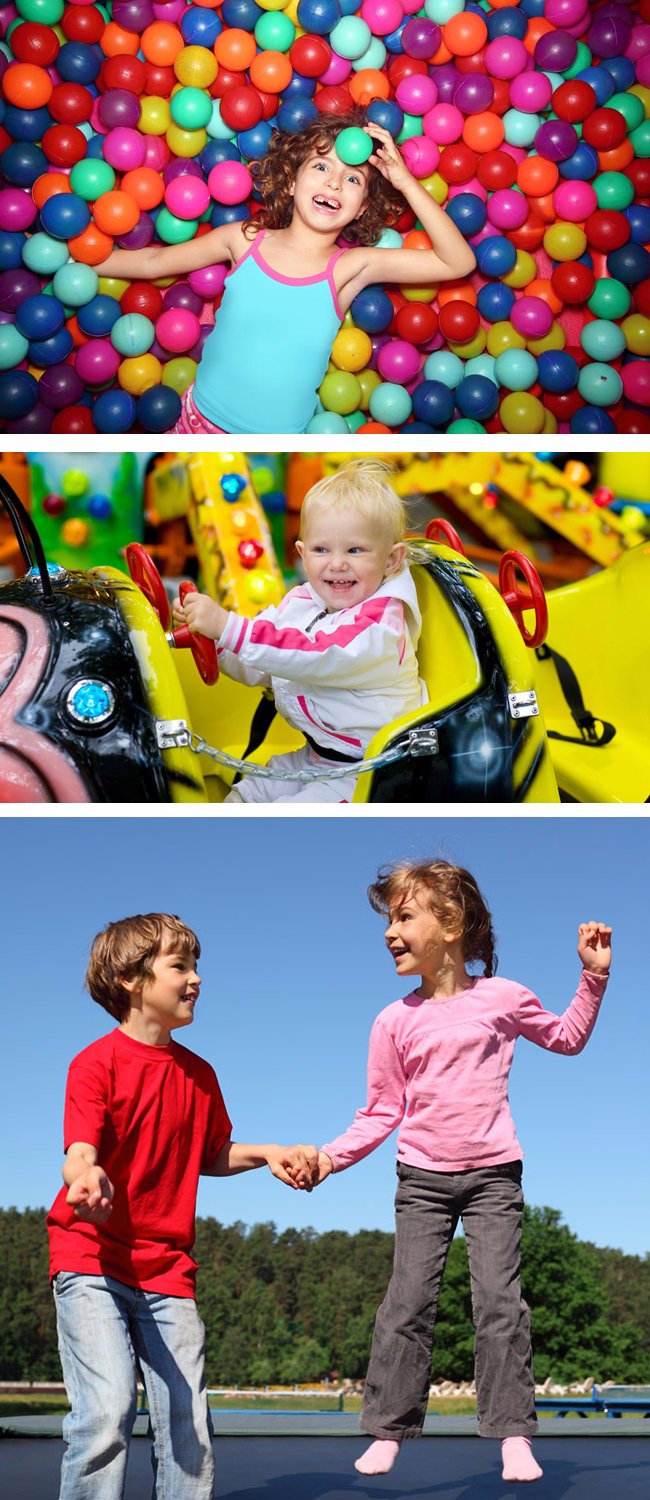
{"type": "Point", "coordinates": [155, 116]}
{"type": "Point", "coordinates": [419, 293]}
{"type": "Point", "coordinates": [523, 272]}
{"type": "Point", "coordinates": [368, 381]}
{"type": "Point", "coordinates": [521, 412]}
{"type": "Point", "coordinates": [550, 422]}
{"type": "Point", "coordinates": [272, 4]}
{"type": "Point", "coordinates": [554, 339]}
{"type": "Point", "coordinates": [435, 186]}
{"type": "Point", "coordinates": [637, 333]}
{"type": "Point", "coordinates": [351, 349]}
{"type": "Point", "coordinates": [340, 392]}
{"type": "Point", "coordinates": [565, 241]}
{"type": "Point", "coordinates": [74, 483]}
{"type": "Point", "coordinates": [185, 142]}
{"type": "Point", "coordinates": [474, 347]}
{"type": "Point", "coordinates": [643, 94]}
{"type": "Point", "coordinates": [260, 587]}
{"type": "Point", "coordinates": [179, 373]}
{"type": "Point", "coordinates": [111, 286]}
{"type": "Point", "coordinates": [503, 336]}
{"type": "Point", "coordinates": [138, 374]}
{"type": "Point", "coordinates": [196, 67]}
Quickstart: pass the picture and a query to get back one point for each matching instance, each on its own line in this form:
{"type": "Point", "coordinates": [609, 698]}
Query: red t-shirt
{"type": "Point", "coordinates": [157, 1119]}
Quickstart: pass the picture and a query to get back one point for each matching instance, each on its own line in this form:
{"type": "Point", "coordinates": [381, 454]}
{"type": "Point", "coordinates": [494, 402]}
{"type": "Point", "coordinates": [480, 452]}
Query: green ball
{"type": "Point", "coordinates": [75, 284]}
{"type": "Point", "coordinates": [373, 57]}
{"type": "Point", "coordinates": [582, 60]}
{"type": "Point", "coordinates": [640, 138]}
{"type": "Point", "coordinates": [90, 178]}
{"type": "Point", "coordinates": [47, 12]}
{"type": "Point", "coordinates": [132, 334]}
{"type": "Point", "coordinates": [609, 299]}
{"type": "Point", "coordinates": [353, 146]}
{"type": "Point", "coordinates": [217, 127]}
{"type": "Point", "coordinates": [275, 32]}
{"type": "Point", "coordinates": [630, 106]}
{"type": "Point", "coordinates": [340, 392]}
{"type": "Point", "coordinates": [191, 108]}
{"type": "Point", "coordinates": [175, 231]}
{"type": "Point", "coordinates": [599, 385]}
{"type": "Point", "coordinates": [355, 420]}
{"type": "Point", "coordinates": [390, 404]}
{"type": "Point", "coordinates": [44, 255]}
{"type": "Point", "coordinates": [412, 126]}
{"type": "Point", "coordinates": [613, 190]}
{"type": "Point", "coordinates": [465, 424]}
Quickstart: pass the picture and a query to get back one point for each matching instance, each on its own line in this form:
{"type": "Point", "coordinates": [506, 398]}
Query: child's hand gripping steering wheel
{"type": "Point", "coordinates": [145, 574]}
{"type": "Point", "coordinates": [517, 599]}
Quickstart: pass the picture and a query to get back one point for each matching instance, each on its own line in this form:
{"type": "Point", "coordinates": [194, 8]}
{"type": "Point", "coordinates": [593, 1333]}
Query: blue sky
{"type": "Point", "coordinates": [294, 971]}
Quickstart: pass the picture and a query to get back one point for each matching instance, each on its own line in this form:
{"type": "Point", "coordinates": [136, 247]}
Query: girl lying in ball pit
{"type": "Point", "coordinates": [268, 352]}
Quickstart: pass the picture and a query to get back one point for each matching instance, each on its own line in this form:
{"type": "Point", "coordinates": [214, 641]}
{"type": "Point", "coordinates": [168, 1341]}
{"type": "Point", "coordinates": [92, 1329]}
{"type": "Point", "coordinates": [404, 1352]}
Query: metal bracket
{"type": "Point", "coordinates": [172, 734]}
{"type": "Point", "coordinates": [423, 741]}
{"type": "Point", "coordinates": [523, 705]}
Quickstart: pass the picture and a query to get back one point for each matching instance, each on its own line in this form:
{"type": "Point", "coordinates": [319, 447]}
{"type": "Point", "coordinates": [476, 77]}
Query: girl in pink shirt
{"type": "Point", "coordinates": [438, 1068]}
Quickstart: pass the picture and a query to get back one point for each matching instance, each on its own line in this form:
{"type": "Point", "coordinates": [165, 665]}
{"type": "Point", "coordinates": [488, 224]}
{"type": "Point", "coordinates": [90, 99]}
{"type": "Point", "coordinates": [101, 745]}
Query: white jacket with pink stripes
{"type": "Point", "coordinates": [340, 677]}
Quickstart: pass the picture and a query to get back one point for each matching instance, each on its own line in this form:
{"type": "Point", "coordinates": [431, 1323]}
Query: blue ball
{"type": "Point", "coordinates": [254, 143]}
{"type": "Point", "coordinates": [12, 245]}
{"type": "Point", "coordinates": [533, 7]}
{"type": "Point", "coordinates": [64, 216]}
{"type": "Point", "coordinates": [349, 7]}
{"type": "Point", "coordinates": [507, 22]}
{"type": "Point", "coordinates": [26, 124]}
{"type": "Point", "coordinates": [630, 264]}
{"type": "Point", "coordinates": [100, 507]}
{"type": "Point", "coordinates": [52, 351]}
{"type": "Point", "coordinates": [299, 86]}
{"type": "Point", "coordinates": [296, 114]}
{"type": "Point", "coordinates": [394, 44]}
{"type": "Point", "coordinates": [96, 318]}
{"type": "Point", "coordinates": [319, 16]}
{"type": "Point", "coordinates": [621, 70]}
{"type": "Point", "coordinates": [495, 301]}
{"type": "Point", "coordinates": [78, 62]}
{"type": "Point", "coordinates": [158, 409]}
{"type": "Point", "coordinates": [638, 217]}
{"type": "Point", "coordinates": [495, 255]}
{"type": "Point", "coordinates": [417, 426]}
{"type": "Point", "coordinates": [387, 113]}
{"type": "Point", "coordinates": [592, 419]}
{"type": "Point", "coordinates": [40, 316]}
{"type": "Point", "coordinates": [372, 309]}
{"type": "Point", "coordinates": [557, 371]}
{"type": "Point", "coordinates": [244, 14]}
{"type": "Point", "coordinates": [18, 393]}
{"type": "Point", "coordinates": [478, 397]}
{"type": "Point", "coordinates": [583, 165]}
{"type": "Point", "coordinates": [114, 411]}
{"type": "Point", "coordinates": [200, 27]}
{"type": "Point", "coordinates": [468, 212]}
{"type": "Point", "coordinates": [216, 152]}
{"type": "Point", "coordinates": [227, 213]}
{"type": "Point", "coordinates": [95, 148]}
{"type": "Point", "coordinates": [22, 163]}
{"type": "Point", "coordinates": [601, 82]}
{"type": "Point", "coordinates": [433, 402]}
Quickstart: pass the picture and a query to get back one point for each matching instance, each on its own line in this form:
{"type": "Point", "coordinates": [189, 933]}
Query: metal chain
{"type": "Point", "coordinates": [176, 734]}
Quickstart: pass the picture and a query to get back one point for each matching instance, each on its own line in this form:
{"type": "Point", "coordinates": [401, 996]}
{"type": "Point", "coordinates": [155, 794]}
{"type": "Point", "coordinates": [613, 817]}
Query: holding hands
{"type": "Point", "coordinates": [595, 947]}
{"type": "Point", "coordinates": [320, 1167]}
{"type": "Point", "coordinates": [295, 1165]}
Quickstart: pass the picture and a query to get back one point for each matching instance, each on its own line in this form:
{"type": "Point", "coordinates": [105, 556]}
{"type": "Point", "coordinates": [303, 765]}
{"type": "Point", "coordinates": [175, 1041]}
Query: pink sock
{"type": "Point", "coordinates": [519, 1463]}
{"type": "Point", "coordinates": [378, 1458]}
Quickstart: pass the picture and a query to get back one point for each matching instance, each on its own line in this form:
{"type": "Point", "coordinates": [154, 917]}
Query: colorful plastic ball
{"type": "Point", "coordinates": [390, 404]}
{"type": "Point", "coordinates": [557, 371]}
{"type": "Point", "coordinates": [114, 411]}
{"type": "Point", "coordinates": [158, 408]}
{"type": "Point", "coordinates": [178, 330]}
{"type": "Point", "coordinates": [353, 146]}
{"type": "Point", "coordinates": [459, 322]}
{"type": "Point", "coordinates": [90, 178]}
{"type": "Point", "coordinates": [636, 332]}
{"type": "Point", "coordinates": [64, 216]}
{"type": "Point", "coordinates": [610, 299]}
{"type": "Point", "coordinates": [630, 264]}
{"type": "Point", "coordinates": [17, 210]}
{"type": "Point", "coordinates": [515, 369]}
{"type": "Point", "coordinates": [318, 16]}
{"type": "Point", "coordinates": [532, 317]}
{"type": "Point", "coordinates": [468, 213]}
{"type": "Point", "coordinates": [97, 362]}
{"type": "Point", "coordinates": [573, 281]}
{"type": "Point", "coordinates": [18, 393]}
{"type": "Point", "coordinates": [98, 317]}
{"type": "Point", "coordinates": [372, 309]}
{"type": "Point", "coordinates": [600, 385]}
{"type": "Point", "coordinates": [230, 182]}
{"type": "Point", "coordinates": [44, 254]}
{"type": "Point", "coordinates": [13, 346]}
{"type": "Point", "coordinates": [602, 340]}
{"type": "Point", "coordinates": [433, 402]}
{"type": "Point", "coordinates": [179, 373]}
{"type": "Point", "coordinates": [477, 397]}
{"type": "Point", "coordinates": [39, 316]}
{"type": "Point", "coordinates": [340, 392]}
{"type": "Point", "coordinates": [398, 361]}
{"type": "Point", "coordinates": [521, 412]}
{"type": "Point", "coordinates": [351, 349]}
{"type": "Point", "coordinates": [495, 256]}
{"type": "Point", "coordinates": [60, 386]}
{"type": "Point", "coordinates": [132, 334]}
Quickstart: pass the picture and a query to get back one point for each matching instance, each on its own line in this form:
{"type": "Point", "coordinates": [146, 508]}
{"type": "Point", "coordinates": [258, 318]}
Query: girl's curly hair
{"type": "Point", "coordinates": [453, 896]}
{"type": "Point", "coordinates": [275, 175]}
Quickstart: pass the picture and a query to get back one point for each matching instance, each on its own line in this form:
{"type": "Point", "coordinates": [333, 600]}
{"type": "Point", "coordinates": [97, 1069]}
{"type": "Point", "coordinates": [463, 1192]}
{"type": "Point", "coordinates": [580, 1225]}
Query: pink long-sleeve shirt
{"type": "Point", "coordinates": [439, 1069]}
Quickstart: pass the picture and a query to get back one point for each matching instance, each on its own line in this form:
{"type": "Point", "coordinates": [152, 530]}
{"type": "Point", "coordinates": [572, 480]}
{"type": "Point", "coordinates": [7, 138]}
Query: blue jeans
{"type": "Point", "coordinates": [104, 1327]}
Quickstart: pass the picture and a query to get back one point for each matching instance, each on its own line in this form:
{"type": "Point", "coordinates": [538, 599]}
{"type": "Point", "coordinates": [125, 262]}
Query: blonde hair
{"type": "Point", "coordinates": [453, 896]}
{"type": "Point", "coordinates": [362, 485]}
{"type": "Point", "coordinates": [127, 950]}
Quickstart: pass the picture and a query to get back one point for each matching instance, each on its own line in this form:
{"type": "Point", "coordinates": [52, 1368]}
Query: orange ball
{"type": "Point", "coordinates": [145, 186]}
{"type": "Point", "coordinates": [271, 72]}
{"type": "Point", "coordinates": [368, 84]}
{"type": "Point", "coordinates": [545, 208]}
{"type": "Point", "coordinates": [544, 290]}
{"type": "Point", "coordinates": [536, 176]}
{"type": "Point", "coordinates": [27, 86]}
{"type": "Point", "coordinates": [116, 213]}
{"type": "Point", "coordinates": [485, 131]}
{"type": "Point", "coordinates": [457, 291]}
{"type": "Point", "coordinates": [617, 159]}
{"type": "Point", "coordinates": [443, 55]}
{"type": "Point", "coordinates": [537, 27]}
{"type": "Point", "coordinates": [373, 427]}
{"type": "Point", "coordinates": [116, 42]}
{"type": "Point", "coordinates": [48, 186]}
{"type": "Point", "coordinates": [235, 49]}
{"type": "Point", "coordinates": [465, 34]}
{"type": "Point", "coordinates": [417, 239]}
{"type": "Point", "coordinates": [91, 246]}
{"type": "Point", "coordinates": [78, 338]}
{"type": "Point", "coordinates": [161, 43]}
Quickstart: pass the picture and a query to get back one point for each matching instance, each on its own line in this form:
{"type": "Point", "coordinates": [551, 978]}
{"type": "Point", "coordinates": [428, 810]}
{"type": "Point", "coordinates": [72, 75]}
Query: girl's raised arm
{"type": "Point", "coordinates": [159, 261]}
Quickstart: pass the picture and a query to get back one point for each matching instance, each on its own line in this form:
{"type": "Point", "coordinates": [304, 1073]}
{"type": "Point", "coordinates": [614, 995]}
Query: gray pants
{"type": "Point", "coordinates": [428, 1207]}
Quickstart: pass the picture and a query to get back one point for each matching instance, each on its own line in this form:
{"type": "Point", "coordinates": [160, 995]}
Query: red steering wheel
{"type": "Point", "coordinates": [145, 574]}
{"type": "Point", "coordinates": [440, 530]}
{"type": "Point", "coordinates": [518, 600]}
{"type": "Point", "coordinates": [203, 649]}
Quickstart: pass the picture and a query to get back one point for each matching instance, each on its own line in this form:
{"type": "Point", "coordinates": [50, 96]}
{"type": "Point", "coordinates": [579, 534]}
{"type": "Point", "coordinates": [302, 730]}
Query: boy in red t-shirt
{"type": "Point", "coordinates": [143, 1118]}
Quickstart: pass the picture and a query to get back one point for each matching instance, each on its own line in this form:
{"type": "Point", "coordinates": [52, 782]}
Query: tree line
{"type": "Point", "coordinates": [295, 1306]}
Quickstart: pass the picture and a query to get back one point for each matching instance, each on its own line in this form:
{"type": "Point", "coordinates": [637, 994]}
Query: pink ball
{"type": "Point", "coordinates": [443, 124]}
{"type": "Point", "coordinates": [398, 361]}
{"type": "Point", "coordinates": [531, 92]}
{"type": "Point", "coordinates": [209, 282]}
{"type": "Point", "coordinates": [506, 56]}
{"type": "Point", "coordinates": [124, 148]}
{"type": "Point", "coordinates": [411, 7]}
{"type": "Point", "coordinates": [157, 153]}
{"type": "Point", "coordinates": [473, 186]}
{"type": "Point", "coordinates": [563, 13]}
{"type": "Point", "coordinates": [532, 317]}
{"type": "Point", "coordinates": [636, 382]}
{"type": "Point", "coordinates": [643, 71]}
{"type": "Point", "coordinates": [416, 94]}
{"type": "Point", "coordinates": [507, 209]}
{"type": "Point", "coordinates": [17, 209]}
{"type": "Point", "coordinates": [230, 182]}
{"type": "Point", "coordinates": [338, 69]}
{"type": "Point", "coordinates": [187, 197]}
{"type": "Point", "coordinates": [421, 155]}
{"type": "Point", "coordinates": [575, 201]}
{"type": "Point", "coordinates": [97, 362]}
{"type": "Point", "coordinates": [178, 329]}
{"type": "Point", "coordinates": [382, 16]}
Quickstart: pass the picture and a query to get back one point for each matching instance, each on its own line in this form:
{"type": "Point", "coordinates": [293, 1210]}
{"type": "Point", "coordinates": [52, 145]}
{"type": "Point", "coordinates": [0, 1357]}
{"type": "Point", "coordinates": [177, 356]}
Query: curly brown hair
{"type": "Point", "coordinates": [275, 175]}
{"type": "Point", "coordinates": [454, 898]}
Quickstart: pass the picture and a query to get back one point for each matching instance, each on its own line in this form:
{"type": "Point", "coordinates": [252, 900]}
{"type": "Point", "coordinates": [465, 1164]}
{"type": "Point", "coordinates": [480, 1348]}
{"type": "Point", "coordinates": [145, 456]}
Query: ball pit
{"type": "Point", "coordinates": [137, 124]}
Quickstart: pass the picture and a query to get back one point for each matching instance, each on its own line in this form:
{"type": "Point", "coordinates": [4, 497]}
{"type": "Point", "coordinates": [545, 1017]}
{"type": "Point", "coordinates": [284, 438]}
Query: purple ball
{"type": "Point", "coordinates": [182, 166]}
{"type": "Point", "coordinates": [556, 140]}
{"type": "Point", "coordinates": [133, 15]}
{"type": "Point", "coordinates": [447, 81]}
{"type": "Point", "coordinates": [608, 38]}
{"type": "Point", "coordinates": [119, 107]}
{"type": "Point", "coordinates": [140, 236]}
{"type": "Point", "coordinates": [378, 341]}
{"type": "Point", "coordinates": [59, 386]}
{"type": "Point", "coordinates": [209, 282]}
{"type": "Point", "coordinates": [555, 51]}
{"type": "Point", "coordinates": [162, 354]}
{"type": "Point", "coordinates": [421, 37]}
{"type": "Point", "coordinates": [39, 419]}
{"type": "Point", "coordinates": [197, 349]}
{"type": "Point", "coordinates": [182, 295]}
{"type": "Point", "coordinates": [15, 286]}
{"type": "Point", "coordinates": [124, 148]}
{"type": "Point", "coordinates": [473, 94]}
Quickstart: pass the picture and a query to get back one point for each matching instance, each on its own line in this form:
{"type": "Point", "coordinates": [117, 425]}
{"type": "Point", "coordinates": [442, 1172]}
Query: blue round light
{"type": "Point", "coordinates": [90, 701]}
{"type": "Point", "coordinates": [232, 486]}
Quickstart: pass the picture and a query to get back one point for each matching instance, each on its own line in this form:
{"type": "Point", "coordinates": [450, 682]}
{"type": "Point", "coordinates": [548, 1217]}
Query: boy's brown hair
{"type": "Point", "coordinates": [127, 950]}
{"type": "Point", "coordinates": [454, 898]}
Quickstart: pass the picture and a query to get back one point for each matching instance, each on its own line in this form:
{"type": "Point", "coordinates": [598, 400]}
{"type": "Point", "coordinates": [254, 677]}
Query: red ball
{"type": "Point", "coordinates": [403, 67]}
{"type": "Point", "coordinates": [227, 78]}
{"type": "Point", "coordinates": [417, 322]}
{"type": "Point", "coordinates": [457, 163]}
{"type": "Point", "coordinates": [241, 108]}
{"type": "Point", "coordinates": [636, 423]}
{"type": "Point", "coordinates": [496, 169]}
{"type": "Point", "coordinates": [310, 55]}
{"type": "Point", "coordinates": [459, 322]}
{"type": "Point", "coordinates": [604, 129]}
{"type": "Point", "coordinates": [501, 97]}
{"type": "Point", "coordinates": [607, 229]}
{"type": "Point", "coordinates": [574, 100]}
{"type": "Point", "coordinates": [128, 73]}
{"type": "Point", "coordinates": [529, 235]}
{"type": "Point", "coordinates": [64, 145]}
{"type": "Point", "coordinates": [160, 80]}
{"type": "Point", "coordinates": [334, 100]}
{"type": "Point", "coordinates": [142, 297]}
{"type": "Point", "coordinates": [70, 104]}
{"type": "Point", "coordinates": [642, 298]}
{"type": "Point", "coordinates": [34, 43]}
{"type": "Point", "coordinates": [82, 23]}
{"type": "Point", "coordinates": [475, 63]}
{"type": "Point", "coordinates": [74, 419]}
{"type": "Point", "coordinates": [269, 104]}
{"type": "Point", "coordinates": [564, 404]}
{"type": "Point", "coordinates": [638, 172]}
{"type": "Point", "coordinates": [572, 281]}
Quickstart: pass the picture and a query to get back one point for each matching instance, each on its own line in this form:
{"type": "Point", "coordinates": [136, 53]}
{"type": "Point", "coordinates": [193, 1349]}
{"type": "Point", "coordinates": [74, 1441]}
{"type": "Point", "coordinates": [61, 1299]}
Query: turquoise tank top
{"type": "Point", "coordinates": [268, 353]}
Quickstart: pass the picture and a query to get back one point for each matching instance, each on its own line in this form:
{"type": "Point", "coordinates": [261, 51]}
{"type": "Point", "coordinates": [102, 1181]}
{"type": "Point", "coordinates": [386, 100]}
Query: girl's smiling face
{"type": "Point", "coordinates": [345, 556]}
{"type": "Point", "coordinates": [327, 193]}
